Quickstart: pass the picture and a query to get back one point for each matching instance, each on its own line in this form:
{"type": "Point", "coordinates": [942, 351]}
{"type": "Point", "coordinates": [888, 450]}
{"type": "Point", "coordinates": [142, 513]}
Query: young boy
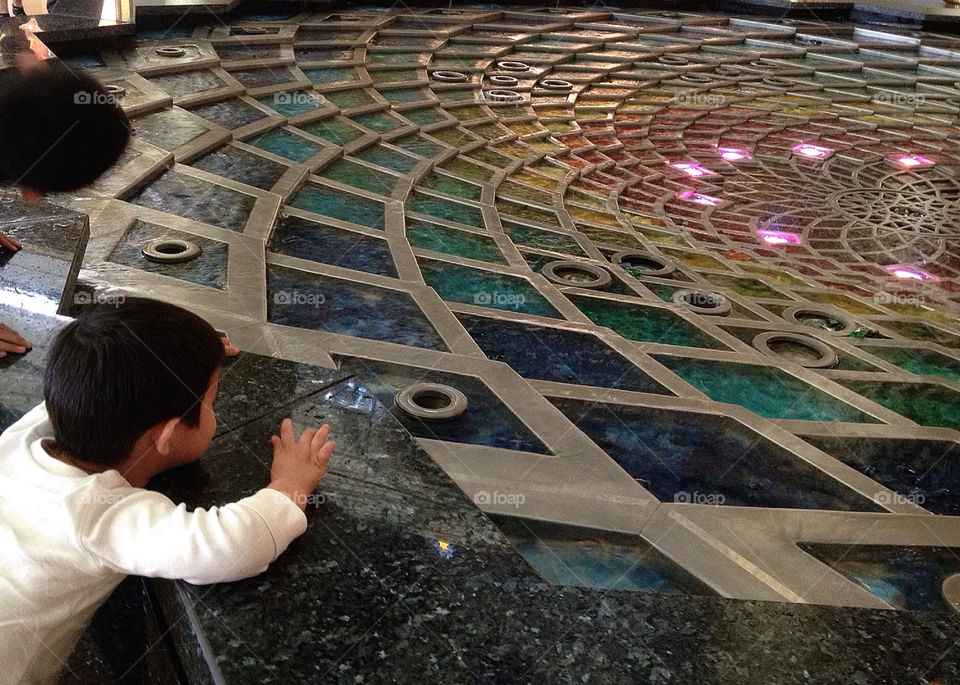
{"type": "Point", "coordinates": [128, 393]}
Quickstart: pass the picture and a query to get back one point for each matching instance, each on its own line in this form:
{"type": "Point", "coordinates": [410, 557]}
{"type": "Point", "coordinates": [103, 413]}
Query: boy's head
{"type": "Point", "coordinates": [60, 129]}
{"type": "Point", "coordinates": [119, 371]}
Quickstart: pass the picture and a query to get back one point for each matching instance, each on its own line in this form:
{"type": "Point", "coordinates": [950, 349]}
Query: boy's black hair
{"type": "Point", "coordinates": [60, 129]}
{"type": "Point", "coordinates": [117, 371]}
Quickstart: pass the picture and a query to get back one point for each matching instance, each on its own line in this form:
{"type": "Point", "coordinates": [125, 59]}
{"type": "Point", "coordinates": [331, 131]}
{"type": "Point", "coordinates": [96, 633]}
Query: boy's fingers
{"type": "Point", "coordinates": [323, 456]}
{"type": "Point", "coordinates": [228, 349]}
{"type": "Point", "coordinates": [320, 437]}
{"type": "Point", "coordinates": [9, 243]}
{"type": "Point", "coordinates": [286, 432]}
{"type": "Point", "coordinates": [306, 437]}
{"type": "Point", "coordinates": [8, 335]}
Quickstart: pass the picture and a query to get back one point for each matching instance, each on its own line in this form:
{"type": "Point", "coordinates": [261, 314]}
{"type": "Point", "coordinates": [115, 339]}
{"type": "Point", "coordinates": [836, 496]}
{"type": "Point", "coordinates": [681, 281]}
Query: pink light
{"type": "Point", "coordinates": [692, 169]}
{"type": "Point", "coordinates": [814, 151]}
{"type": "Point", "coordinates": [904, 271]}
{"type": "Point", "coordinates": [912, 161]}
{"type": "Point", "coordinates": [731, 154]}
{"type": "Point", "coordinates": [779, 237]}
{"type": "Point", "coordinates": [700, 199]}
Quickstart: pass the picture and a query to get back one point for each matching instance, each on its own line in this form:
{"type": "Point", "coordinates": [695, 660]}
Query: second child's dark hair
{"type": "Point", "coordinates": [60, 129]}
{"type": "Point", "coordinates": [117, 371]}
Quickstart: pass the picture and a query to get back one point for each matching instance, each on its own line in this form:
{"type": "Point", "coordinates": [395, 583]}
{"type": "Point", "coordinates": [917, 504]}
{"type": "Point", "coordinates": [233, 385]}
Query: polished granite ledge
{"type": "Point", "coordinates": [368, 594]}
{"type": "Point", "coordinates": [34, 283]}
{"type": "Point", "coordinates": [73, 24]}
{"type": "Point", "coordinates": [400, 578]}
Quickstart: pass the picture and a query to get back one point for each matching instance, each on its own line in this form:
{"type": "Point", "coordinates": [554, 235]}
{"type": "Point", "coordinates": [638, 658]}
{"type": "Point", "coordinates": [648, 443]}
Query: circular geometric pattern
{"type": "Point", "coordinates": [535, 206]}
{"type": "Point", "coordinates": [431, 401]}
{"type": "Point", "coordinates": [171, 250]}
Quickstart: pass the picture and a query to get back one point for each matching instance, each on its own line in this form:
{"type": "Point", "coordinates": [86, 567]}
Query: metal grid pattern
{"type": "Point", "coordinates": [699, 256]}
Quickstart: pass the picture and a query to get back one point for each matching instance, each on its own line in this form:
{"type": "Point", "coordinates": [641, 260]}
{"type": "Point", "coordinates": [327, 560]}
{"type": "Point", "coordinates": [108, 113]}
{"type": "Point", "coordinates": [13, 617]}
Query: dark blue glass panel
{"type": "Point", "coordinates": [569, 555]}
{"type": "Point", "coordinates": [925, 472]}
{"type": "Point", "coordinates": [229, 113]}
{"type": "Point", "coordinates": [209, 268]}
{"type": "Point", "coordinates": [906, 577]}
{"type": "Point", "coordinates": [305, 300]}
{"type": "Point", "coordinates": [194, 198]}
{"type": "Point", "coordinates": [701, 458]}
{"type": "Point", "coordinates": [553, 354]}
{"type": "Point", "coordinates": [322, 243]}
{"type": "Point", "coordinates": [242, 166]}
{"type": "Point", "coordinates": [487, 421]}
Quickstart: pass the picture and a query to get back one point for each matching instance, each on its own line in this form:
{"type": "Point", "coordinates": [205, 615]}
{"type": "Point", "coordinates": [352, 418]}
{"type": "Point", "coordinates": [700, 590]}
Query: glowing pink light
{"type": "Point", "coordinates": [903, 271]}
{"type": "Point", "coordinates": [700, 199]}
{"type": "Point", "coordinates": [731, 154]}
{"type": "Point", "coordinates": [813, 151]}
{"type": "Point", "coordinates": [692, 169]}
{"type": "Point", "coordinates": [779, 237]}
{"type": "Point", "coordinates": [912, 161]}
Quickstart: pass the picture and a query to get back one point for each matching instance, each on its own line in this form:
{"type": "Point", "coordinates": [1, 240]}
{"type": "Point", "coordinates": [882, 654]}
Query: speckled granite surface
{"type": "Point", "coordinates": [33, 284]}
{"type": "Point", "coordinates": [366, 595]}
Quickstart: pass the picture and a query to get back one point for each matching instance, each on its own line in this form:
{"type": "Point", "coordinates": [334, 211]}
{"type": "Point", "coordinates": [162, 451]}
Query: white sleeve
{"type": "Point", "coordinates": [145, 533]}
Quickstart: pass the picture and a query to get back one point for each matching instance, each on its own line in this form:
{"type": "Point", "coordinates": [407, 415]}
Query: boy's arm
{"type": "Point", "coordinates": [145, 533]}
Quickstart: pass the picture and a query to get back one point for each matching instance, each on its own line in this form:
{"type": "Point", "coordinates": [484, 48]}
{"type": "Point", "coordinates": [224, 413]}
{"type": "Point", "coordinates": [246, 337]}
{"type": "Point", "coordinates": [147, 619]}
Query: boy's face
{"type": "Point", "coordinates": [191, 442]}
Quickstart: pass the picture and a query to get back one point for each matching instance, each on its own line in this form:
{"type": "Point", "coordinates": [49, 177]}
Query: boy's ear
{"type": "Point", "coordinates": [164, 440]}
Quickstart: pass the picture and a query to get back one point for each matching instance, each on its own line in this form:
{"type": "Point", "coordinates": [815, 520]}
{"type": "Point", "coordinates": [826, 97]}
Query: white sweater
{"type": "Point", "coordinates": [67, 539]}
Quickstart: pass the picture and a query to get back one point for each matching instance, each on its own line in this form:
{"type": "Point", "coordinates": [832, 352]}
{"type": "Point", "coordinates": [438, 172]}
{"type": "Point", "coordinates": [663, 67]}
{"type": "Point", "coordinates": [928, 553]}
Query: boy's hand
{"type": "Point", "coordinates": [228, 349]}
{"type": "Point", "coordinates": [9, 243]}
{"type": "Point", "coordinates": [11, 341]}
{"type": "Point", "coordinates": [298, 465]}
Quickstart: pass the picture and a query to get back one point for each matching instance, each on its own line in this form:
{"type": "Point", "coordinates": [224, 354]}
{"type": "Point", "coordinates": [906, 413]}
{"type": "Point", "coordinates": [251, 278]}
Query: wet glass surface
{"type": "Point", "coordinates": [297, 298]}
{"type": "Point", "coordinates": [696, 459]}
{"type": "Point", "coordinates": [196, 199]}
